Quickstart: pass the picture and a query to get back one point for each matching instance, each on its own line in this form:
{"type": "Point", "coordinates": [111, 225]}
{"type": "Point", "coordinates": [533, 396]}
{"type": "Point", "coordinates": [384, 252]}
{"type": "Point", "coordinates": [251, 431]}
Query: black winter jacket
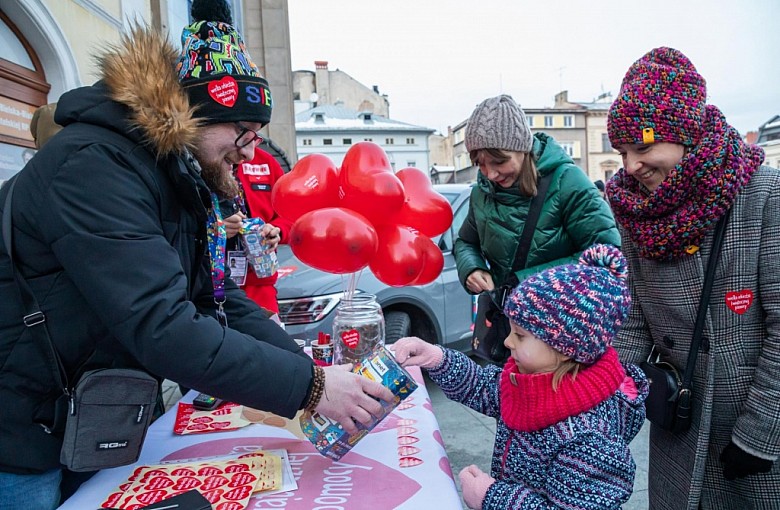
{"type": "Point", "coordinates": [109, 231]}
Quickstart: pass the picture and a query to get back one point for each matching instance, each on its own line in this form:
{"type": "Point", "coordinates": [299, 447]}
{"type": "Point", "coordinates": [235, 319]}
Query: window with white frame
{"type": "Point", "coordinates": [410, 141]}
{"type": "Point", "coordinates": [411, 163]}
{"type": "Point", "coordinates": [568, 121]}
{"type": "Point", "coordinates": [389, 141]}
{"type": "Point", "coordinates": [307, 141]}
{"type": "Point", "coordinates": [530, 120]}
{"type": "Point", "coordinates": [346, 141]}
{"type": "Point", "coordinates": [368, 139]}
{"type": "Point", "coordinates": [327, 141]}
{"type": "Point", "coordinates": [568, 147]}
{"type": "Point", "coordinates": [548, 121]}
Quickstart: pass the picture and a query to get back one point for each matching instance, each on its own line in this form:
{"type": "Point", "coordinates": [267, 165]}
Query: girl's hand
{"type": "Point", "coordinates": [474, 484]}
{"type": "Point", "coordinates": [413, 351]}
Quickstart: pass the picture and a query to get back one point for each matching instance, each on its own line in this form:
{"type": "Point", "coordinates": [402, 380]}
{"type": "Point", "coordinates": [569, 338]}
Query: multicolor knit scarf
{"type": "Point", "coordinates": [662, 224]}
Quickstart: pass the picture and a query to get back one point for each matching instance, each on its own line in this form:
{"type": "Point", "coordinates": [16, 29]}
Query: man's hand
{"type": "Point", "coordinates": [271, 236]}
{"type": "Point", "coordinates": [350, 398]}
{"type": "Point", "coordinates": [480, 281]}
{"type": "Point", "coordinates": [233, 224]}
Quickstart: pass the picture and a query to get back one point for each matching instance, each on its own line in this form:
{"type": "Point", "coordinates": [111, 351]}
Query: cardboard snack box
{"type": "Point", "coordinates": [330, 439]}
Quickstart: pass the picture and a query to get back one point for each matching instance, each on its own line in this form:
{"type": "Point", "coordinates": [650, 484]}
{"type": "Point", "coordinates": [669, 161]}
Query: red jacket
{"type": "Point", "coordinates": [258, 177]}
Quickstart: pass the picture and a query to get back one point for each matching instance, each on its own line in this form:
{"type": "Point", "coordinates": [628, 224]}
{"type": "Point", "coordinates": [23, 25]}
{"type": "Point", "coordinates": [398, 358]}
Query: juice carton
{"type": "Point", "coordinates": [330, 439]}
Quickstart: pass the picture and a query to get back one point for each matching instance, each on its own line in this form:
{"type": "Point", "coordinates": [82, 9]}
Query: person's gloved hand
{"type": "Point", "coordinates": [474, 483]}
{"type": "Point", "coordinates": [737, 463]}
{"type": "Point", "coordinates": [413, 351]}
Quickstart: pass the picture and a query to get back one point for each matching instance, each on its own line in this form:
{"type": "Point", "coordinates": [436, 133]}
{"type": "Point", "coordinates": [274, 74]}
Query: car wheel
{"type": "Point", "coordinates": [397, 325]}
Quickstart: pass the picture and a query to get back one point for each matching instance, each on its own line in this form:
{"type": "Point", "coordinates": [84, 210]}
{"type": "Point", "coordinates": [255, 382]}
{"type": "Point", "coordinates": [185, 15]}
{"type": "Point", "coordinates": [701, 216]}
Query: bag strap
{"type": "Point", "coordinates": [704, 302]}
{"type": "Point", "coordinates": [33, 318]}
{"type": "Point", "coordinates": [534, 211]}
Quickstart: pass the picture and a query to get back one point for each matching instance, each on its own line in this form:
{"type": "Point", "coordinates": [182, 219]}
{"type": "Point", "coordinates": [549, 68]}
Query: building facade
{"type": "Point", "coordinates": [769, 140]}
{"type": "Point", "coordinates": [333, 129]}
{"type": "Point", "coordinates": [44, 53]}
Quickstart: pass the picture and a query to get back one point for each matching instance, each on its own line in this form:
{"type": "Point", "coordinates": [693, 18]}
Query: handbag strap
{"type": "Point", "coordinates": [704, 302]}
{"type": "Point", "coordinates": [33, 317]}
{"type": "Point", "coordinates": [534, 211]}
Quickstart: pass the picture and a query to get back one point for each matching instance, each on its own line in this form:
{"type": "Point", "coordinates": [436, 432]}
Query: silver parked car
{"type": "Point", "coordinates": [439, 312]}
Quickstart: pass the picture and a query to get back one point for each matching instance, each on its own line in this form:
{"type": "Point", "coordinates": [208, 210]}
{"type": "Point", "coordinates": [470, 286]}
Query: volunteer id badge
{"type": "Point", "coordinates": [237, 264]}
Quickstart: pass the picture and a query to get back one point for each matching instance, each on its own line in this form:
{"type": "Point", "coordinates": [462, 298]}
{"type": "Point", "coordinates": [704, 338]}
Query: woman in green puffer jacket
{"type": "Point", "coordinates": [511, 160]}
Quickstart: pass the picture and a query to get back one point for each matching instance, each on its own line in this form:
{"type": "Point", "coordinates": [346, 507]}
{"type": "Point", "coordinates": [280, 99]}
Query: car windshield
{"type": "Point", "coordinates": [450, 196]}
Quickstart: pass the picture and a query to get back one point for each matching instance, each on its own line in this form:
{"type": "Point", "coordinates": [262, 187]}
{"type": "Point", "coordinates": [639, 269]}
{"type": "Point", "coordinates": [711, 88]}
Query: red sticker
{"type": "Point", "coordinates": [224, 91]}
{"type": "Point", "coordinates": [739, 301]}
{"type": "Point", "coordinates": [351, 338]}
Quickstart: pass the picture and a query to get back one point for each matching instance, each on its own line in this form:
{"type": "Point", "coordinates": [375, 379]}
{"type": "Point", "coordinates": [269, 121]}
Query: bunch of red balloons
{"type": "Point", "coordinates": [364, 214]}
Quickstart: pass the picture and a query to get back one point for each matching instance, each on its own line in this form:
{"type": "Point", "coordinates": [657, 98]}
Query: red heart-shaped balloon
{"type": "Point", "coordinates": [334, 240]}
{"type": "Point", "coordinates": [433, 261]}
{"type": "Point", "coordinates": [368, 184]}
{"type": "Point", "coordinates": [224, 91]}
{"type": "Point", "coordinates": [312, 184]}
{"type": "Point", "coordinates": [424, 209]}
{"type": "Point", "coordinates": [398, 260]}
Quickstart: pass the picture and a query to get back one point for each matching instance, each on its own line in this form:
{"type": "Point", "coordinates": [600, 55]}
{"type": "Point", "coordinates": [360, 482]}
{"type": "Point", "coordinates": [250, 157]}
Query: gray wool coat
{"type": "Point", "coordinates": [736, 385]}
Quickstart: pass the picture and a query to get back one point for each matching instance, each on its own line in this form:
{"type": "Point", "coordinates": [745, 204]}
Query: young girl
{"type": "Point", "coordinates": [566, 407]}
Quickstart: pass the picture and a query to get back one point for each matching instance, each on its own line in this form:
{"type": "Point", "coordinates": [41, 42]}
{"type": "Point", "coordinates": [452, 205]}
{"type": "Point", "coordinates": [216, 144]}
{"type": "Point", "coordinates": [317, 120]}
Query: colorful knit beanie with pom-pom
{"type": "Point", "coordinates": [577, 309]}
{"type": "Point", "coordinates": [216, 71]}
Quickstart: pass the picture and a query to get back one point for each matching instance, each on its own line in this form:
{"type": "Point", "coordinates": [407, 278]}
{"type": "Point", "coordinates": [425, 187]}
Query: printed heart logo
{"type": "Point", "coordinates": [183, 472]}
{"type": "Point", "coordinates": [151, 496]}
{"type": "Point", "coordinates": [406, 462]}
{"type": "Point", "coordinates": [405, 451]}
{"type": "Point", "coordinates": [238, 493]}
{"type": "Point", "coordinates": [240, 479]}
{"type": "Point", "coordinates": [159, 482]}
{"type": "Point", "coordinates": [351, 338]}
{"type": "Point", "coordinates": [220, 424]}
{"type": "Point", "coordinates": [213, 495]}
{"type": "Point", "coordinates": [739, 301]}
{"type": "Point", "coordinates": [212, 482]}
{"type": "Point", "coordinates": [230, 505]}
{"type": "Point", "coordinates": [186, 483]}
{"type": "Point", "coordinates": [209, 470]}
{"type": "Point", "coordinates": [224, 91]}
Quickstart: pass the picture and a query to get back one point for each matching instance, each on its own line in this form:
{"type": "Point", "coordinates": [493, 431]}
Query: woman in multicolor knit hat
{"type": "Point", "coordinates": [566, 408]}
{"type": "Point", "coordinates": [685, 167]}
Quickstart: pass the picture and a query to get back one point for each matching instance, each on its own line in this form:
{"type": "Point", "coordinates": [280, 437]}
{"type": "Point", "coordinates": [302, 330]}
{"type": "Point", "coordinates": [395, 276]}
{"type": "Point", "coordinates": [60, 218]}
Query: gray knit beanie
{"type": "Point", "coordinates": [498, 123]}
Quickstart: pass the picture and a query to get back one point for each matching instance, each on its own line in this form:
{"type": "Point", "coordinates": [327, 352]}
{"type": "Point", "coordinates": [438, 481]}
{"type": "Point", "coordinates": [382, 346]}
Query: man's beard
{"type": "Point", "coordinates": [220, 182]}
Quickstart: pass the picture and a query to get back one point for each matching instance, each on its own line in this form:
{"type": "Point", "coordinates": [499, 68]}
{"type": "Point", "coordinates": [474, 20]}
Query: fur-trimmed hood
{"type": "Point", "coordinates": [138, 73]}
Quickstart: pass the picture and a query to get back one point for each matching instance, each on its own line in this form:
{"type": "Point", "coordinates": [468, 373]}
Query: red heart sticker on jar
{"type": "Point", "coordinates": [224, 91]}
{"type": "Point", "coordinates": [739, 301]}
{"type": "Point", "coordinates": [351, 338]}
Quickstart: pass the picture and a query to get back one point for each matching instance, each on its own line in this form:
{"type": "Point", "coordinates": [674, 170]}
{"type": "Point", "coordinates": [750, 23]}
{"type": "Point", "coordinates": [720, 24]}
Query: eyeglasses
{"type": "Point", "coordinates": [247, 136]}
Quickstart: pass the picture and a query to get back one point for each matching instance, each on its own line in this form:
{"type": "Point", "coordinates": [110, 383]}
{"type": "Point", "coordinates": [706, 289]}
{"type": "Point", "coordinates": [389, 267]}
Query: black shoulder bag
{"type": "Point", "coordinates": [491, 326]}
{"type": "Point", "coordinates": [669, 403]}
{"type": "Point", "coordinates": [108, 411]}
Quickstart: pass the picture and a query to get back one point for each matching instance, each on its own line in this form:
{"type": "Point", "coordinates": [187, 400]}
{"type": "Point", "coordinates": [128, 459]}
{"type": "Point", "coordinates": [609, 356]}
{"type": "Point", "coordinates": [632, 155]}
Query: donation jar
{"type": "Point", "coordinates": [358, 328]}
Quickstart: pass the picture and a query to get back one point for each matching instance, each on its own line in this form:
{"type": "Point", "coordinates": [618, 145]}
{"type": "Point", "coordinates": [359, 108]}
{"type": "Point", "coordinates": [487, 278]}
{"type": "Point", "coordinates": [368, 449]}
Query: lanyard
{"type": "Point", "coordinates": [217, 237]}
{"type": "Point", "coordinates": [241, 197]}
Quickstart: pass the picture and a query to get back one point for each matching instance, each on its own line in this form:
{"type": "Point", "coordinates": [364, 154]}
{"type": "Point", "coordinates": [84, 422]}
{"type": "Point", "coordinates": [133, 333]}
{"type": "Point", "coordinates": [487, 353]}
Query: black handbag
{"type": "Point", "coordinates": [491, 326]}
{"type": "Point", "coordinates": [669, 403]}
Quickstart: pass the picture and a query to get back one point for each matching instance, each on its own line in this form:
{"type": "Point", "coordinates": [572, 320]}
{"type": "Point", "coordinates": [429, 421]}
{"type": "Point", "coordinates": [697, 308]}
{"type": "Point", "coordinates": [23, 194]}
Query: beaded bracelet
{"type": "Point", "coordinates": [317, 388]}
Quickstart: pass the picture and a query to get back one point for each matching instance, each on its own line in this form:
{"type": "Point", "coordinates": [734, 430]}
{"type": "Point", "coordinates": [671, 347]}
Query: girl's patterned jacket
{"type": "Point", "coordinates": [579, 461]}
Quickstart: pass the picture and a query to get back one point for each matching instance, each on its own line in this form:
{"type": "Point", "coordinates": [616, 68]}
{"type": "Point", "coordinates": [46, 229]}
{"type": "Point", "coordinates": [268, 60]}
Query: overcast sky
{"type": "Point", "coordinates": [437, 59]}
